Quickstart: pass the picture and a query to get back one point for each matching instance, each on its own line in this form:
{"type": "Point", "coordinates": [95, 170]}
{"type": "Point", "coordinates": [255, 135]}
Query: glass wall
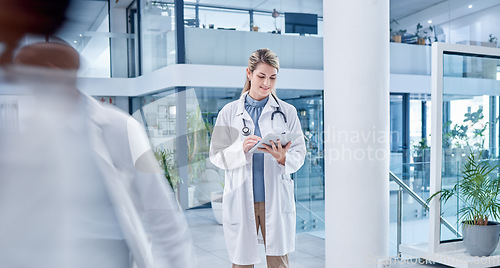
{"type": "Point", "coordinates": [470, 123]}
{"type": "Point", "coordinates": [267, 23]}
{"type": "Point", "coordinates": [397, 144]}
{"type": "Point", "coordinates": [310, 179]}
{"type": "Point", "coordinates": [457, 22]}
{"type": "Point", "coordinates": [224, 19]}
{"type": "Point", "coordinates": [410, 161]}
{"type": "Point", "coordinates": [158, 113]}
{"type": "Point", "coordinates": [240, 19]}
{"type": "Point", "coordinates": [157, 35]}
{"type": "Point", "coordinates": [89, 35]}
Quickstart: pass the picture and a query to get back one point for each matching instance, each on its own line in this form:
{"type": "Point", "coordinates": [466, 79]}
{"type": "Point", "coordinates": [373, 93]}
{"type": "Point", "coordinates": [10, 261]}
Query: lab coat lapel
{"type": "Point", "coordinates": [265, 122]}
{"type": "Point", "coordinates": [271, 105]}
{"type": "Point", "coordinates": [241, 112]}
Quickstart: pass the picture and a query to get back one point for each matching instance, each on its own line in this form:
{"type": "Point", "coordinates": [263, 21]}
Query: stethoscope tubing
{"type": "Point", "coordinates": [245, 131]}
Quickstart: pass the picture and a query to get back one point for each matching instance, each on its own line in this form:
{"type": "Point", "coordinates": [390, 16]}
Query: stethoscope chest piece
{"type": "Point", "coordinates": [245, 130]}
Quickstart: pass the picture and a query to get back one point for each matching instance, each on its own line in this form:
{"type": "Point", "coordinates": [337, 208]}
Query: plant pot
{"type": "Point", "coordinates": [481, 240]}
{"type": "Point", "coordinates": [255, 28]}
{"type": "Point", "coordinates": [216, 202]}
{"type": "Point", "coordinates": [396, 38]}
{"type": "Point", "coordinates": [421, 41]}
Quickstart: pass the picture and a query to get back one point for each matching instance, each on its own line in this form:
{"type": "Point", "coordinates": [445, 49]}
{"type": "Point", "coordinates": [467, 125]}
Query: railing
{"type": "Point", "coordinates": [404, 187]}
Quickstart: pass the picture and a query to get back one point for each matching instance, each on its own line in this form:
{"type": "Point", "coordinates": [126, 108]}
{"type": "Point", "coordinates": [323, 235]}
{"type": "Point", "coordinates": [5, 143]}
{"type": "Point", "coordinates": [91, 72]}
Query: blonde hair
{"type": "Point", "coordinates": [263, 55]}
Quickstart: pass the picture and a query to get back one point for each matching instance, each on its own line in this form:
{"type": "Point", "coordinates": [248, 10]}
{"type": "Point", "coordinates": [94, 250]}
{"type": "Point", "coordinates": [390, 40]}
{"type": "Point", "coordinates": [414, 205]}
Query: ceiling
{"type": "Point", "coordinates": [403, 8]}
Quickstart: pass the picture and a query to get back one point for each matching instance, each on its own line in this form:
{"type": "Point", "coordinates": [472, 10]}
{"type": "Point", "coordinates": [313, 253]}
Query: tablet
{"type": "Point", "coordinates": [284, 139]}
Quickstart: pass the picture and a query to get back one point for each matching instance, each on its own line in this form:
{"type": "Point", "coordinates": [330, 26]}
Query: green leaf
{"type": "Point", "coordinates": [478, 190]}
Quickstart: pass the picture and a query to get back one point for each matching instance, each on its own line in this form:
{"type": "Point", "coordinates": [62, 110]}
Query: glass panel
{"type": "Point", "coordinates": [396, 164]}
{"type": "Point", "coordinates": [420, 150]}
{"type": "Point", "coordinates": [91, 37]}
{"type": "Point", "coordinates": [309, 180]}
{"type": "Point", "coordinates": [415, 219]}
{"type": "Point", "coordinates": [190, 19]}
{"type": "Point", "coordinates": [133, 65]}
{"type": "Point", "coordinates": [412, 170]}
{"type": "Point", "coordinates": [396, 143]}
{"type": "Point", "coordinates": [218, 18]}
{"type": "Point", "coordinates": [267, 23]}
{"type": "Point", "coordinates": [157, 35]}
{"type": "Point", "coordinates": [457, 22]}
{"type": "Point", "coordinates": [470, 118]}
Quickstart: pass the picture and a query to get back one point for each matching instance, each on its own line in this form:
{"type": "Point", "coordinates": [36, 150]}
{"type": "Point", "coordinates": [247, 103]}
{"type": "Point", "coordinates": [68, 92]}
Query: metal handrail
{"type": "Point", "coordinates": [420, 201]}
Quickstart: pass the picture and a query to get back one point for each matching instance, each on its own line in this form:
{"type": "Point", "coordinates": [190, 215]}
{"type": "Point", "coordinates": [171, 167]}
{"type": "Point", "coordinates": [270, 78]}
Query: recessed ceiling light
{"type": "Point", "coordinates": [470, 6]}
{"type": "Point", "coordinates": [429, 21]}
{"type": "Point", "coordinates": [81, 35]}
{"type": "Point", "coordinates": [75, 42]}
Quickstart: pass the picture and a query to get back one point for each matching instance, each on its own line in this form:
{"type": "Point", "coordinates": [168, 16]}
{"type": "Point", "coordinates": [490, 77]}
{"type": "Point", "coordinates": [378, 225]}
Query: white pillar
{"type": "Point", "coordinates": [356, 75]}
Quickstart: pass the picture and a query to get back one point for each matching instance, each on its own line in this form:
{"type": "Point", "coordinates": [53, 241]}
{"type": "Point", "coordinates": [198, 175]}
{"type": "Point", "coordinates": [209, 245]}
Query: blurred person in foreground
{"type": "Point", "coordinates": [79, 185]}
{"type": "Point", "coordinates": [127, 199]}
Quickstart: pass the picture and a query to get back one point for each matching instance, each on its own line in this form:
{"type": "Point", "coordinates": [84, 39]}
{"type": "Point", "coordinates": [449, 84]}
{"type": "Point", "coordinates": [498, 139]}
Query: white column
{"type": "Point", "coordinates": [356, 75]}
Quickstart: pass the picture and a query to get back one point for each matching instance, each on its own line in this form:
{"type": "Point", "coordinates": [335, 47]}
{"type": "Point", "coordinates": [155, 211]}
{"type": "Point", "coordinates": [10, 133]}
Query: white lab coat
{"type": "Point", "coordinates": [226, 152]}
{"type": "Point", "coordinates": [155, 230]}
{"type": "Point", "coordinates": [60, 137]}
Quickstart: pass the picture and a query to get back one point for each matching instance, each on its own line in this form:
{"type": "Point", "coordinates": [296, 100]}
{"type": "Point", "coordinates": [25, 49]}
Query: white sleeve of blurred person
{"type": "Point", "coordinates": [154, 228]}
{"type": "Point", "coordinates": [142, 191]}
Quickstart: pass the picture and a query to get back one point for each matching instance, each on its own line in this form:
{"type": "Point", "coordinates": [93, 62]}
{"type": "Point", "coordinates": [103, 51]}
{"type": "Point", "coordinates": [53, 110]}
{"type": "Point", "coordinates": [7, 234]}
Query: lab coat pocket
{"type": "Point", "coordinates": [231, 209]}
{"type": "Point", "coordinates": [287, 194]}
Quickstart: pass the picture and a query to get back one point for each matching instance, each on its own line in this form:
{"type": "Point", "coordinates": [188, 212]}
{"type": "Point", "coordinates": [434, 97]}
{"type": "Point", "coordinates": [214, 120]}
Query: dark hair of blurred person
{"type": "Point", "coordinates": [20, 17]}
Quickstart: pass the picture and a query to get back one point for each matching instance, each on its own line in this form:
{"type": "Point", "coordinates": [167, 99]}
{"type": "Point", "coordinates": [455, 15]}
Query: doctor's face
{"type": "Point", "coordinates": [262, 81]}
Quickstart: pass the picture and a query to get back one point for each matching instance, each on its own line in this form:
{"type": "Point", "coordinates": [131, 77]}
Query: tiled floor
{"type": "Point", "coordinates": [211, 250]}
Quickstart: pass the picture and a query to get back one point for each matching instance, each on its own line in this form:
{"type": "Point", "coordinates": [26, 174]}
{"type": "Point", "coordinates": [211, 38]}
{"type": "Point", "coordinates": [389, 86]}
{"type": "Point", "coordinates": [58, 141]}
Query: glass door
{"type": "Point", "coordinates": [309, 180]}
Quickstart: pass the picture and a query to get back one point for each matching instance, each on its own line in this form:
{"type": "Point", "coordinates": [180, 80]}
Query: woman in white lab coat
{"type": "Point", "coordinates": [258, 191]}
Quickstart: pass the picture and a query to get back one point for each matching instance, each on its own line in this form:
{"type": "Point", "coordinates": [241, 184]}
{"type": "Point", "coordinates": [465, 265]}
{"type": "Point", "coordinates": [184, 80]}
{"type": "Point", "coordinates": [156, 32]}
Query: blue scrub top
{"type": "Point", "coordinates": [254, 108]}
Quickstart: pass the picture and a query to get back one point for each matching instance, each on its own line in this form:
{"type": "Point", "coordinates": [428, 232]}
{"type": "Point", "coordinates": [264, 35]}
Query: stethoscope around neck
{"type": "Point", "coordinates": [246, 131]}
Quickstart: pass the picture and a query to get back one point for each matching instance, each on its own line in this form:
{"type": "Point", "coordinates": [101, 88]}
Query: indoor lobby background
{"type": "Point", "coordinates": [174, 64]}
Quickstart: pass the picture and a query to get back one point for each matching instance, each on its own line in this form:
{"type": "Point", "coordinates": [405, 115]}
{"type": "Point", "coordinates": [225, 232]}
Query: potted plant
{"type": "Point", "coordinates": [461, 138]}
{"type": "Point", "coordinates": [493, 40]}
{"type": "Point", "coordinates": [396, 35]}
{"type": "Point", "coordinates": [478, 190]}
{"type": "Point", "coordinates": [166, 160]}
{"type": "Point", "coordinates": [432, 37]}
{"type": "Point", "coordinates": [420, 35]}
